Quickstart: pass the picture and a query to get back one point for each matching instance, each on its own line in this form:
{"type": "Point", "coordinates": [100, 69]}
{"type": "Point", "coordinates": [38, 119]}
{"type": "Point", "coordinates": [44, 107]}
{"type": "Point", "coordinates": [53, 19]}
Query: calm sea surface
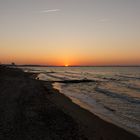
{"type": "Point", "coordinates": [114, 95]}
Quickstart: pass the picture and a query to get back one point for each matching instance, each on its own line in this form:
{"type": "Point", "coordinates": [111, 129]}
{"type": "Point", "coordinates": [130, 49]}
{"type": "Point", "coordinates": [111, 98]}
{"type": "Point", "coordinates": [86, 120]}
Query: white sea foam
{"type": "Point", "coordinates": [115, 96]}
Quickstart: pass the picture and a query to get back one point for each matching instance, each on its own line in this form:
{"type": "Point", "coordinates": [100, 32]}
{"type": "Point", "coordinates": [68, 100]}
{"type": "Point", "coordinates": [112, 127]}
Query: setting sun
{"type": "Point", "coordinates": [70, 69]}
{"type": "Point", "coordinates": [66, 65]}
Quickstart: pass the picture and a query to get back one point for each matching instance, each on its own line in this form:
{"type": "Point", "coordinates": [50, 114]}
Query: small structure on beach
{"type": "Point", "coordinates": [13, 64]}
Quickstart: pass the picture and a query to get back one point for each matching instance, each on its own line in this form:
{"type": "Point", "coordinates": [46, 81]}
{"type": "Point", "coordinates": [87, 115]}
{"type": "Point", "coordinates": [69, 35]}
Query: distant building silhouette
{"type": "Point", "coordinates": [13, 64]}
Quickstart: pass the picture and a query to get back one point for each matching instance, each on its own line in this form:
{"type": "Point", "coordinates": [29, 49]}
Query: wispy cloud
{"type": "Point", "coordinates": [50, 10]}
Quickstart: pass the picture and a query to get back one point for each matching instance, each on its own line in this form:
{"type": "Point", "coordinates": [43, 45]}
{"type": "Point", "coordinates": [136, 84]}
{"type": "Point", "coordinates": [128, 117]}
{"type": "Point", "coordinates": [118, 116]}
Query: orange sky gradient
{"type": "Point", "coordinates": [68, 53]}
{"type": "Point", "coordinates": [69, 32]}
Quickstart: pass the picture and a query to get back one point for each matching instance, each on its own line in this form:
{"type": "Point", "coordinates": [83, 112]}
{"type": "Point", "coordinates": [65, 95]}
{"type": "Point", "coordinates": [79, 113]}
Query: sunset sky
{"type": "Point", "coordinates": [72, 32]}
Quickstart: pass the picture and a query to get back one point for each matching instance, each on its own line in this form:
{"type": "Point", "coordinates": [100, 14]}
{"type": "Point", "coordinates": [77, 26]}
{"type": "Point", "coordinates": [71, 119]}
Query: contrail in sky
{"type": "Point", "coordinates": [49, 10]}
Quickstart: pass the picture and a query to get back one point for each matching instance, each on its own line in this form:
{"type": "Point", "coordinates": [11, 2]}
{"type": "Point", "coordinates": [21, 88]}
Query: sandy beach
{"type": "Point", "coordinates": [32, 110]}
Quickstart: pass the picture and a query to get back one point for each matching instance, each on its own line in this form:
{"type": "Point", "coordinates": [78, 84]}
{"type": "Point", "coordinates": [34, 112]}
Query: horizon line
{"type": "Point", "coordinates": [41, 65]}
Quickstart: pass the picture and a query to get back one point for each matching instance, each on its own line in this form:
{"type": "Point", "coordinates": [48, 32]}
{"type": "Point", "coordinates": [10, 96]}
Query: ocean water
{"type": "Point", "coordinates": [113, 95]}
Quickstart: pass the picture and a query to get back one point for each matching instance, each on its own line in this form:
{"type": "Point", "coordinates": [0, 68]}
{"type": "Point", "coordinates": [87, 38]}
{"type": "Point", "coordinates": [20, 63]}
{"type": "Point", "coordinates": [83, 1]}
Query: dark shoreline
{"type": "Point", "coordinates": [32, 110]}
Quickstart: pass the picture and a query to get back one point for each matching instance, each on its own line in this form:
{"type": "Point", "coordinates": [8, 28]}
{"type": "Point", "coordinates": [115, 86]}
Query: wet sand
{"type": "Point", "coordinates": [32, 110]}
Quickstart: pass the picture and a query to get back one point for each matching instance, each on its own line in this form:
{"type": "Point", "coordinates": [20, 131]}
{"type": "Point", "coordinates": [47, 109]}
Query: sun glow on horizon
{"type": "Point", "coordinates": [49, 33]}
{"type": "Point", "coordinates": [66, 65]}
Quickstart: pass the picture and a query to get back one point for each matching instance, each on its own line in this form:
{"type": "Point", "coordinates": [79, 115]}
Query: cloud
{"type": "Point", "coordinates": [50, 10]}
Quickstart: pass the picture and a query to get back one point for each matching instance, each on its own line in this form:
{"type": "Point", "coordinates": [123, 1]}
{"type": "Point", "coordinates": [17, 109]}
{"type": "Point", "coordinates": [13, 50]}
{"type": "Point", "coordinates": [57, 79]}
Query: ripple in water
{"type": "Point", "coordinates": [115, 96]}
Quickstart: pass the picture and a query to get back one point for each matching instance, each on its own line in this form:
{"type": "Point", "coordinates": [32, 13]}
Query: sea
{"type": "Point", "coordinates": [112, 93]}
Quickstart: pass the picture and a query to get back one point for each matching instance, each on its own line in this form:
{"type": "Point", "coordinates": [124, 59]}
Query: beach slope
{"type": "Point", "coordinates": [32, 110]}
